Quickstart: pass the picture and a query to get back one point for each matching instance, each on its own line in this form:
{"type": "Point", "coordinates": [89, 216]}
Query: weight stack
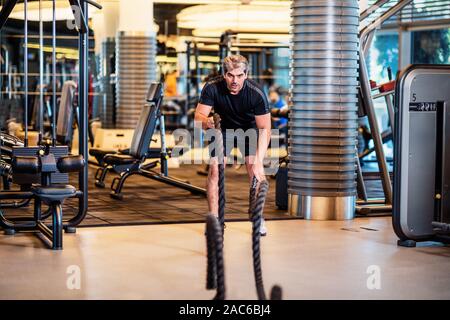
{"type": "Point", "coordinates": [107, 68]}
{"type": "Point", "coordinates": [135, 70]}
{"type": "Point", "coordinates": [323, 118]}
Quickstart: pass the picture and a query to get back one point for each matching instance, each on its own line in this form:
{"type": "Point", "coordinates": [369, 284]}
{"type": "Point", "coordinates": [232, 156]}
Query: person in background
{"type": "Point", "coordinates": [170, 84]}
{"type": "Point", "coordinates": [276, 100]}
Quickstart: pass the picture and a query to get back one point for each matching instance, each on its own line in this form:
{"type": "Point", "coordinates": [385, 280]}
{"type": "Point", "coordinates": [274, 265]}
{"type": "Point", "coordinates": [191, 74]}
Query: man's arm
{"type": "Point", "coordinates": [263, 123]}
{"type": "Point", "coordinates": [202, 116]}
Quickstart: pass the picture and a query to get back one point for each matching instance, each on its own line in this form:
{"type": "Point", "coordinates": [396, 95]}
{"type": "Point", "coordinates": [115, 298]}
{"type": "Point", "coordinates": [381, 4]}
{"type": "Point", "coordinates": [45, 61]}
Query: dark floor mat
{"type": "Point", "coordinates": [148, 201]}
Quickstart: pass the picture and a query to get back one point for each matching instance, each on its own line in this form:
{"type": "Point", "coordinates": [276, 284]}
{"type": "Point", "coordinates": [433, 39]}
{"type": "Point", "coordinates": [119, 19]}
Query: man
{"type": "Point", "coordinates": [242, 106]}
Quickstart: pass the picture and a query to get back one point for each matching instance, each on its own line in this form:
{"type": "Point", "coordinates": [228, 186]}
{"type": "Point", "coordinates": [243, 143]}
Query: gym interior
{"type": "Point", "coordinates": [104, 171]}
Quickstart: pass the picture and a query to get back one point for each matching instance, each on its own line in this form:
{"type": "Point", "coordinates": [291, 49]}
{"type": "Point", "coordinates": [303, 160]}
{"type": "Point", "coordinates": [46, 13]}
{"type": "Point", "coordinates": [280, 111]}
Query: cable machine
{"type": "Point", "coordinates": [47, 165]}
{"type": "Point", "coordinates": [365, 205]}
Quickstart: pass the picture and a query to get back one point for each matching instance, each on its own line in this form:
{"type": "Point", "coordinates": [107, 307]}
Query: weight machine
{"type": "Point", "coordinates": [47, 165]}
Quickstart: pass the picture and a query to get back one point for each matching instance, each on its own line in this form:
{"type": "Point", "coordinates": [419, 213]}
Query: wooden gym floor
{"type": "Point", "coordinates": [308, 259]}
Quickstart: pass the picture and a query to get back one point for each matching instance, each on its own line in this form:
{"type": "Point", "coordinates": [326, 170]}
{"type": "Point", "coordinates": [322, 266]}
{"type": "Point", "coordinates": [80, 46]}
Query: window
{"type": "Point", "coordinates": [431, 46]}
{"type": "Point", "coordinates": [281, 69]}
{"type": "Point", "coordinates": [382, 55]}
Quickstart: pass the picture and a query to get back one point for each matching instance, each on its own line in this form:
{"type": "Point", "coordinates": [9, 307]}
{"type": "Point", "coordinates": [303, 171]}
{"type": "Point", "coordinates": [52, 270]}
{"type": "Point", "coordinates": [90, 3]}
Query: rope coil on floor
{"type": "Point", "coordinates": [215, 278]}
{"type": "Point", "coordinates": [220, 155]}
{"type": "Point", "coordinates": [259, 201]}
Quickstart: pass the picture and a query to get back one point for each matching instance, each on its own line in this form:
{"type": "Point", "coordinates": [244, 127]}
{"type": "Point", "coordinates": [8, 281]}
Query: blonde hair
{"type": "Point", "coordinates": [233, 62]}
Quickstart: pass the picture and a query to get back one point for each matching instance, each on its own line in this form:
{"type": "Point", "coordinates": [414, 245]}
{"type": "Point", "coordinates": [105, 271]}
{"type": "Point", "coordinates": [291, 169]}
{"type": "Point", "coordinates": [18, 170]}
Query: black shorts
{"type": "Point", "coordinates": [246, 143]}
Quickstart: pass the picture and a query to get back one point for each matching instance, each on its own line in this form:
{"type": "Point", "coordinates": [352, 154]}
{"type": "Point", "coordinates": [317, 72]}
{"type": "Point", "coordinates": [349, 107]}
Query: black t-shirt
{"type": "Point", "coordinates": [236, 111]}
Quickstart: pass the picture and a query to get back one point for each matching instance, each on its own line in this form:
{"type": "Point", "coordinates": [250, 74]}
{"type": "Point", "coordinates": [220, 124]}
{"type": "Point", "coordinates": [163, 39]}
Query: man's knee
{"type": "Point", "coordinates": [213, 174]}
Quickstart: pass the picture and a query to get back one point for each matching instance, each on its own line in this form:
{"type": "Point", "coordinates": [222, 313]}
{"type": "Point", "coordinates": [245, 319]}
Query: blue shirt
{"type": "Point", "coordinates": [278, 105]}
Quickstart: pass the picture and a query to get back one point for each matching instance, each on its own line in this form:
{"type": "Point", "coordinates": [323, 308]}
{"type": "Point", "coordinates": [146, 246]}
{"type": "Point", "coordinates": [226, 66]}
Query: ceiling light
{"type": "Point", "coordinates": [248, 18]}
{"type": "Point", "coordinates": [226, 2]}
{"type": "Point", "coordinates": [63, 11]}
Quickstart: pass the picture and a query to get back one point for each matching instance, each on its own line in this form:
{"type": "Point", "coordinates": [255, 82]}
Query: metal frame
{"type": "Point", "coordinates": [6, 11]}
{"type": "Point", "coordinates": [54, 233]}
{"type": "Point", "coordinates": [139, 168]}
{"type": "Point", "coordinates": [365, 37]}
{"type": "Point", "coordinates": [364, 205]}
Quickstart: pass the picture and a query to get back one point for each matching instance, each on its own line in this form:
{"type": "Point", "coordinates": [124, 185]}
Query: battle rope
{"type": "Point", "coordinates": [215, 277]}
{"type": "Point", "coordinates": [276, 293]}
{"type": "Point", "coordinates": [220, 155]}
{"type": "Point", "coordinates": [252, 197]}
